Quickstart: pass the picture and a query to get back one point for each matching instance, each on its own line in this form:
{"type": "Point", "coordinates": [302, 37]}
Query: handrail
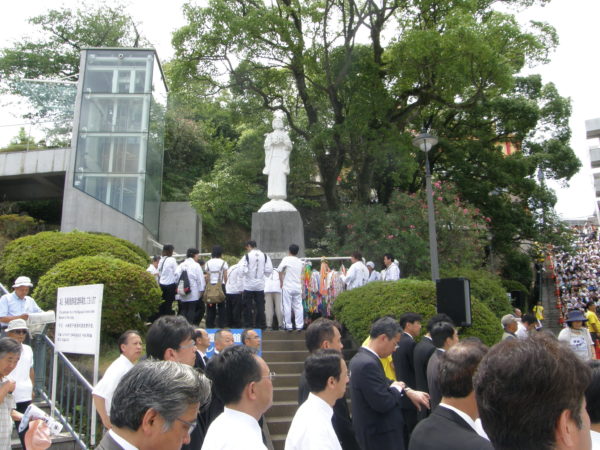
{"type": "Point", "coordinates": [73, 405]}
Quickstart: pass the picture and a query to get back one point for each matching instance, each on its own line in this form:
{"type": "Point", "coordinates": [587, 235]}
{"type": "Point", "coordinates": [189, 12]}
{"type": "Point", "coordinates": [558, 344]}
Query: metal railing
{"type": "Point", "coordinates": [73, 404]}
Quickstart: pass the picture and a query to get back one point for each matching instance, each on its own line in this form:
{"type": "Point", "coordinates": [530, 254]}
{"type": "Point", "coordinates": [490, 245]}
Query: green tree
{"type": "Point", "coordinates": [356, 79]}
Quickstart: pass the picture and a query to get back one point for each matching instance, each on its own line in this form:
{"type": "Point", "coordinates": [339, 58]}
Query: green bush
{"type": "Point", "coordinates": [131, 294]}
{"type": "Point", "coordinates": [130, 245]}
{"type": "Point", "coordinates": [512, 285]}
{"type": "Point", "coordinates": [358, 308]}
{"type": "Point", "coordinates": [34, 255]}
{"type": "Point", "coordinates": [485, 286]}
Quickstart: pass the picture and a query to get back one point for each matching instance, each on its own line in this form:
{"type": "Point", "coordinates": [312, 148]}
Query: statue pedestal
{"type": "Point", "coordinates": [274, 231]}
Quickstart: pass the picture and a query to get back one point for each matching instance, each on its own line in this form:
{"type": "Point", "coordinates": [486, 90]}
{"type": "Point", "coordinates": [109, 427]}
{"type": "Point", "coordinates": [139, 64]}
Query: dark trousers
{"type": "Point", "coordinates": [254, 309]}
{"type": "Point", "coordinates": [21, 407]}
{"type": "Point", "coordinates": [410, 422]}
{"type": "Point", "coordinates": [234, 310]}
{"type": "Point", "coordinates": [168, 296]}
{"type": "Point", "coordinates": [191, 311]}
{"type": "Point", "coordinates": [212, 310]}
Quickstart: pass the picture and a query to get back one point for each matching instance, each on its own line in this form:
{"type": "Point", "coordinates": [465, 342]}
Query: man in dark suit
{"type": "Point", "coordinates": [325, 334]}
{"type": "Point", "coordinates": [444, 336]}
{"type": "Point", "coordinates": [404, 365]}
{"type": "Point", "coordinates": [202, 343]}
{"type": "Point", "coordinates": [377, 415]}
{"type": "Point", "coordinates": [155, 406]}
{"type": "Point", "coordinates": [451, 425]}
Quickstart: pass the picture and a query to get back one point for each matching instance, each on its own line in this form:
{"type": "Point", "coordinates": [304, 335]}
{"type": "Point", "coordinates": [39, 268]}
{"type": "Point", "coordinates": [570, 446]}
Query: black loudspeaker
{"type": "Point", "coordinates": [454, 299]}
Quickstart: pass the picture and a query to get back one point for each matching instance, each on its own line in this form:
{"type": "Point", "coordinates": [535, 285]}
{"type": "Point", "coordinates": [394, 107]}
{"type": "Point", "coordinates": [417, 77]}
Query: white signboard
{"type": "Point", "coordinates": [78, 315]}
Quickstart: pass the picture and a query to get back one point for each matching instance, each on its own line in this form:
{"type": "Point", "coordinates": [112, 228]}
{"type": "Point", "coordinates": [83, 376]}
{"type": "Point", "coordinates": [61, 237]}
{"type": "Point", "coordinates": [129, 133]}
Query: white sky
{"type": "Point", "coordinates": [574, 67]}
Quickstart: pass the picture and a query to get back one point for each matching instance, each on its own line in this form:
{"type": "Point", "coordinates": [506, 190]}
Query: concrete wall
{"type": "Point", "coordinates": [33, 162]}
{"type": "Point", "coordinates": [592, 127]}
{"type": "Point", "coordinates": [180, 225]}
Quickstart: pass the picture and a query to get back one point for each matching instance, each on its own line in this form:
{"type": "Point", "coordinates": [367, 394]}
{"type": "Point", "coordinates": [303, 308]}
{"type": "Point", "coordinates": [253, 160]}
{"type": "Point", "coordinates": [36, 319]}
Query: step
{"type": "Point", "coordinates": [284, 335]}
{"type": "Point", "coordinates": [279, 425]}
{"type": "Point", "coordinates": [286, 393]}
{"type": "Point", "coordinates": [283, 408]}
{"type": "Point", "coordinates": [286, 380]}
{"type": "Point", "coordinates": [278, 441]}
{"type": "Point", "coordinates": [282, 344]}
{"type": "Point", "coordinates": [287, 367]}
{"type": "Point", "coordinates": [284, 356]}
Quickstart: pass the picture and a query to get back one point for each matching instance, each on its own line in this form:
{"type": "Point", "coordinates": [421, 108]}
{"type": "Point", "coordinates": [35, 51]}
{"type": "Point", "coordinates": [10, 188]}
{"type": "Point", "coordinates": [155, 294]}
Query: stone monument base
{"type": "Point", "coordinates": [277, 206]}
{"type": "Point", "coordinates": [275, 231]}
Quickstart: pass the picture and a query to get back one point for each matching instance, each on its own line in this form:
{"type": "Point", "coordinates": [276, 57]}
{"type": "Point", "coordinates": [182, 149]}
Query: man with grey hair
{"type": "Point", "coordinates": [510, 325]}
{"type": "Point", "coordinates": [155, 407]}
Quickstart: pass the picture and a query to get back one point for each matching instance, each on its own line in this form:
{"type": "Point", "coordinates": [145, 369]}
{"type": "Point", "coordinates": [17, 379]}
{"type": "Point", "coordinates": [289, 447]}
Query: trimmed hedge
{"type": "Point", "coordinates": [485, 286]}
{"type": "Point", "coordinates": [130, 245]}
{"type": "Point", "coordinates": [34, 255]}
{"type": "Point", "coordinates": [131, 294]}
{"type": "Point", "coordinates": [358, 308]}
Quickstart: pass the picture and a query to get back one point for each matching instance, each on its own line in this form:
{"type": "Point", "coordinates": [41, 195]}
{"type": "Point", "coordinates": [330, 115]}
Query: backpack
{"type": "Point", "coordinates": [214, 292]}
{"type": "Point", "coordinates": [183, 285]}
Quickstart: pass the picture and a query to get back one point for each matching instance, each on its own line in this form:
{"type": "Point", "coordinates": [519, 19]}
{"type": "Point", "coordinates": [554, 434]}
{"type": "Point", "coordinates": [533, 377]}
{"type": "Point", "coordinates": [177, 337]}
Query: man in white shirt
{"type": "Point", "coordinates": [255, 266]}
{"type": "Point", "coordinates": [155, 407]}
{"type": "Point", "coordinates": [191, 304]}
{"type": "Point", "coordinates": [452, 424]}
{"type": "Point", "coordinates": [327, 376]}
{"type": "Point", "coordinates": [167, 280]}
{"type": "Point", "coordinates": [357, 274]}
{"type": "Point", "coordinates": [234, 287]}
{"type": "Point", "coordinates": [392, 271]}
{"type": "Point", "coordinates": [17, 304]}
{"type": "Point", "coordinates": [130, 346]}
{"type": "Point", "coordinates": [216, 268]}
{"type": "Point", "coordinates": [243, 381]}
{"type": "Point", "coordinates": [373, 274]}
{"type": "Point", "coordinates": [526, 326]}
{"type": "Point", "coordinates": [290, 273]}
{"type": "Point", "coordinates": [153, 267]}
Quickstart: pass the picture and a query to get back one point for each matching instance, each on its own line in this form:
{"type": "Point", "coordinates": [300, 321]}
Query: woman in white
{"type": "Point", "coordinates": [23, 374]}
{"type": "Point", "coordinates": [153, 267]}
{"type": "Point", "coordinates": [577, 337]}
{"type": "Point", "coordinates": [191, 305]}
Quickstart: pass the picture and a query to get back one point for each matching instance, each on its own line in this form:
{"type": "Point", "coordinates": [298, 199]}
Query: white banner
{"type": "Point", "coordinates": [78, 316]}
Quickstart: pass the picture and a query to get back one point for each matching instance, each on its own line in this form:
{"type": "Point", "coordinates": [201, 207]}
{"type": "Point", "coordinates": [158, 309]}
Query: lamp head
{"type": "Point", "coordinates": [425, 141]}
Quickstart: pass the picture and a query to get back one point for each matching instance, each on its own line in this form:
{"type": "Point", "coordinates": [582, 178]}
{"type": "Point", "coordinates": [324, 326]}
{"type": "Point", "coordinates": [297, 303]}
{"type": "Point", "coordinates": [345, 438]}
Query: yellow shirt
{"type": "Point", "coordinates": [388, 364]}
{"type": "Point", "coordinates": [593, 323]}
{"type": "Point", "coordinates": [539, 312]}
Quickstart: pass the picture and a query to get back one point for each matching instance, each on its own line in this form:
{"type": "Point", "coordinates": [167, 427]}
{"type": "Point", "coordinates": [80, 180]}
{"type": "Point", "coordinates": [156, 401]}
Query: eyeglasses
{"type": "Point", "coordinates": [190, 345]}
{"type": "Point", "coordinates": [270, 376]}
{"type": "Point", "coordinates": [18, 331]}
{"type": "Point", "coordinates": [191, 425]}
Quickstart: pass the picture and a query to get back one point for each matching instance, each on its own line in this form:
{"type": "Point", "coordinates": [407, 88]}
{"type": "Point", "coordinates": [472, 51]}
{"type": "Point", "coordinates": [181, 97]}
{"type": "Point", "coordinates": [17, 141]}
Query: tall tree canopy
{"type": "Point", "coordinates": [356, 79]}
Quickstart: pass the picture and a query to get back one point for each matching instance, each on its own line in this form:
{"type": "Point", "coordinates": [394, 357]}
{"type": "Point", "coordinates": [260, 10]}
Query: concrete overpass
{"type": "Point", "coordinates": [33, 174]}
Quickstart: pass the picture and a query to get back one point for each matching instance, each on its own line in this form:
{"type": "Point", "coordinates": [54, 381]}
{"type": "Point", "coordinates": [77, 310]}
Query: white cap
{"type": "Point", "coordinates": [22, 281]}
{"type": "Point", "coordinates": [371, 264]}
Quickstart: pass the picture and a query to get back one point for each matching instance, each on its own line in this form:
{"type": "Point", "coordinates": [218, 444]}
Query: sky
{"type": "Point", "coordinates": [574, 68]}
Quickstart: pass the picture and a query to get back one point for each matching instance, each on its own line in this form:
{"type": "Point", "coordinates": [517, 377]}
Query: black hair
{"type": "Point", "coordinates": [410, 317]}
{"type": "Point", "coordinates": [232, 370]}
{"type": "Point", "coordinates": [125, 336]}
{"type": "Point", "coordinates": [440, 332]}
{"type": "Point", "coordinates": [168, 250]}
{"type": "Point", "coordinates": [457, 367]}
{"type": "Point", "coordinates": [321, 365]}
{"type": "Point", "coordinates": [167, 332]}
{"type": "Point", "coordinates": [319, 331]}
{"type": "Point", "coordinates": [191, 252]}
{"type": "Point", "coordinates": [294, 249]}
{"type": "Point", "coordinates": [441, 317]}
{"type": "Point", "coordinates": [251, 244]}
{"type": "Point", "coordinates": [592, 393]}
{"type": "Point", "coordinates": [217, 251]}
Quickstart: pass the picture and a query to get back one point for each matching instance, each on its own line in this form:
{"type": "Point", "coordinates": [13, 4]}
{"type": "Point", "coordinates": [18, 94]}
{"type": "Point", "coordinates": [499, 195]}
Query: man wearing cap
{"type": "Point", "coordinates": [17, 304]}
{"type": "Point", "coordinates": [373, 274]}
{"type": "Point", "coordinates": [22, 374]}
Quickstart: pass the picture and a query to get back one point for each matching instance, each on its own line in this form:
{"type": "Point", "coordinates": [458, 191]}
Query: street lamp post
{"type": "Point", "coordinates": [425, 142]}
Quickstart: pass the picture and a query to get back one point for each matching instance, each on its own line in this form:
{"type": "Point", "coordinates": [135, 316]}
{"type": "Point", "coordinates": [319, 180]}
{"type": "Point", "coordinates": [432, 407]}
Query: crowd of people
{"type": "Point", "coordinates": [436, 392]}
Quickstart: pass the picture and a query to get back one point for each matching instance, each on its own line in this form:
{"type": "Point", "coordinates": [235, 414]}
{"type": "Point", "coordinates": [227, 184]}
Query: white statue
{"type": "Point", "coordinates": [278, 147]}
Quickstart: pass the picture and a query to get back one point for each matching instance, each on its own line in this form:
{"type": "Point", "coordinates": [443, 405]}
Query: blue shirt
{"type": "Point", "coordinates": [12, 305]}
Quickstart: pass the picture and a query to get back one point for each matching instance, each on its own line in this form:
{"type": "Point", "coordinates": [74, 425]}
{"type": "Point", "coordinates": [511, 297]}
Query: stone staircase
{"type": "Point", "coordinates": [285, 354]}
